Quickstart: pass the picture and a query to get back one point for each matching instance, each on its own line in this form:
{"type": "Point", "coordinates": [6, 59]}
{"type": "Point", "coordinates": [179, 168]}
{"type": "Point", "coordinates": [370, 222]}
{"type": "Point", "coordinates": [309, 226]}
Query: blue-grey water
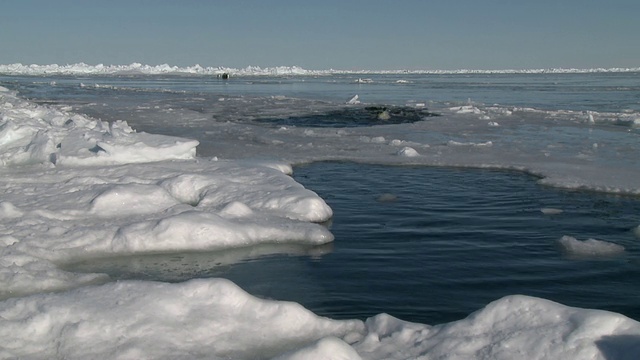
{"type": "Point", "coordinates": [431, 245]}
{"type": "Point", "coordinates": [425, 244]}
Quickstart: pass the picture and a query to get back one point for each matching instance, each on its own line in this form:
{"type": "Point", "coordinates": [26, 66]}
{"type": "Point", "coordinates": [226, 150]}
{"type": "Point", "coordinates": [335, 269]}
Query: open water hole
{"type": "Point", "coordinates": [428, 245]}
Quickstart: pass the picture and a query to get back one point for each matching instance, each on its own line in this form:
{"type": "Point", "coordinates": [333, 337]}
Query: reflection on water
{"type": "Point", "coordinates": [177, 267]}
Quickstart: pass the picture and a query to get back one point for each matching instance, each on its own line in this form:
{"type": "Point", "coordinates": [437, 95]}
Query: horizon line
{"type": "Point", "coordinates": [197, 69]}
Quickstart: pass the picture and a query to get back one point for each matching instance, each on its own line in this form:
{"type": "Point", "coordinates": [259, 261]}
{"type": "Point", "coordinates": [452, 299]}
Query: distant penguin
{"type": "Point", "coordinates": [225, 76]}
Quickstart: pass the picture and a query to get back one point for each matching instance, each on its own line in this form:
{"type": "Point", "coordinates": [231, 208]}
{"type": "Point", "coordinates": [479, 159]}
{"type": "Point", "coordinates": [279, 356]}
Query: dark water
{"type": "Point", "coordinates": [454, 240]}
{"type": "Point", "coordinates": [353, 117]}
{"type": "Point", "coordinates": [431, 245]}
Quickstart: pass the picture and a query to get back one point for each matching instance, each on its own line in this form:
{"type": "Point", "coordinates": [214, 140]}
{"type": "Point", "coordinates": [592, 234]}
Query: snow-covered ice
{"type": "Point", "coordinates": [76, 188]}
{"type": "Point", "coordinates": [215, 319]}
{"type": "Point", "coordinates": [143, 193]}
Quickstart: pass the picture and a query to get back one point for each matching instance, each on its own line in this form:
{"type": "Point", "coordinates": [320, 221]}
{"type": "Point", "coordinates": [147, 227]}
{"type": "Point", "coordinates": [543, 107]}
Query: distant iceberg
{"type": "Point", "coordinates": [138, 68]}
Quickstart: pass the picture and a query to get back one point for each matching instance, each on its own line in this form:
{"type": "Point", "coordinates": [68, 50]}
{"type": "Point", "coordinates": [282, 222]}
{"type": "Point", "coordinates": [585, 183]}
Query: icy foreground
{"type": "Point", "coordinates": [215, 319]}
{"type": "Point", "coordinates": [77, 188]}
{"type": "Point", "coordinates": [52, 213]}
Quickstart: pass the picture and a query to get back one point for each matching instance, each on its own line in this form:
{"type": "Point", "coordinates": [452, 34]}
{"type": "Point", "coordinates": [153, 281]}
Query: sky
{"type": "Point", "coordinates": [326, 34]}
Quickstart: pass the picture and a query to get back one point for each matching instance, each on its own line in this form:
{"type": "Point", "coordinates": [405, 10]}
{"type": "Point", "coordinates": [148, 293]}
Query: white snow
{"type": "Point", "coordinates": [76, 188]}
{"type": "Point", "coordinates": [143, 193]}
{"type": "Point", "coordinates": [32, 134]}
{"type": "Point", "coordinates": [211, 319]}
{"type": "Point", "coordinates": [215, 319]}
{"type": "Point", "coordinates": [408, 151]}
{"type": "Point", "coordinates": [354, 100]}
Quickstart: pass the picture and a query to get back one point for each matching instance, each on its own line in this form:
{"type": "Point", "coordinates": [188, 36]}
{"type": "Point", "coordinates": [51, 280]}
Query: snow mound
{"type": "Point", "coordinates": [514, 327]}
{"type": "Point", "coordinates": [408, 151]}
{"type": "Point", "coordinates": [198, 319]}
{"type": "Point", "coordinates": [213, 318]}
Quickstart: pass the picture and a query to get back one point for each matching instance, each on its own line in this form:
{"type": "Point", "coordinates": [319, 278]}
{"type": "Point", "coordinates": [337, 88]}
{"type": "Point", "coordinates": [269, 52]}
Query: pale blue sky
{"type": "Point", "coordinates": [339, 34]}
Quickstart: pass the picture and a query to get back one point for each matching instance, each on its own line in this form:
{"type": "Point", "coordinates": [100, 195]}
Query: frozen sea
{"type": "Point", "coordinates": [490, 215]}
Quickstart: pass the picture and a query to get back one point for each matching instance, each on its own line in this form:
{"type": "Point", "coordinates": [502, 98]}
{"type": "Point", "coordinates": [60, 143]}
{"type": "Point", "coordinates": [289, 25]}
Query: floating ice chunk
{"type": "Point", "coordinates": [590, 247]}
{"type": "Point", "coordinates": [388, 197]}
{"type": "Point", "coordinates": [457, 143]}
{"type": "Point", "coordinates": [551, 211]}
{"type": "Point", "coordinates": [493, 124]}
{"type": "Point", "coordinates": [466, 109]}
{"type": "Point", "coordinates": [354, 100]}
{"type": "Point", "coordinates": [364, 81]}
{"type": "Point", "coordinates": [408, 152]}
{"type": "Point", "coordinates": [499, 110]}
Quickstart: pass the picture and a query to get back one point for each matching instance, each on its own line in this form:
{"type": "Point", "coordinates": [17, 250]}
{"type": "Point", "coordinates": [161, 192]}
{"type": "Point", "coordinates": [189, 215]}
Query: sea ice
{"type": "Point", "coordinates": [589, 247]}
{"type": "Point", "coordinates": [354, 100]}
{"type": "Point", "coordinates": [551, 211]}
{"type": "Point", "coordinates": [77, 189]}
{"type": "Point", "coordinates": [33, 134]}
{"type": "Point", "coordinates": [213, 318]}
{"type": "Point", "coordinates": [137, 68]}
{"type": "Point", "coordinates": [105, 189]}
{"type": "Point", "coordinates": [408, 152]}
